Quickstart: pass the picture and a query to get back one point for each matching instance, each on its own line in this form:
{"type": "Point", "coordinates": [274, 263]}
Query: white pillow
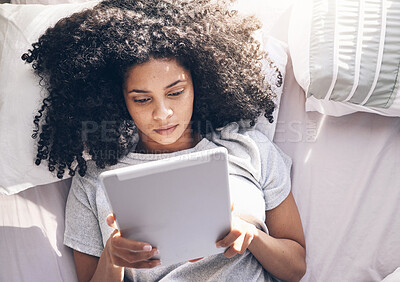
{"type": "Point", "coordinates": [346, 55]}
{"type": "Point", "coordinates": [272, 39]}
{"type": "Point", "coordinates": [277, 53]}
{"type": "Point", "coordinates": [46, 2]}
{"type": "Point", "coordinates": [20, 94]}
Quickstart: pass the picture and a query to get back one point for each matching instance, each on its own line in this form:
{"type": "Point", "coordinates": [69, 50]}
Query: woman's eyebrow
{"type": "Point", "coordinates": [138, 91]}
{"type": "Point", "coordinates": [166, 87]}
{"type": "Point", "coordinates": [174, 83]}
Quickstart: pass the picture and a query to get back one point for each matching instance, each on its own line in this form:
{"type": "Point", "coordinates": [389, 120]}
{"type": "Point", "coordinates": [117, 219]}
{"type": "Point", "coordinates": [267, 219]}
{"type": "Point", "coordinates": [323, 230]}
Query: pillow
{"type": "Point", "coordinates": [20, 94]}
{"type": "Point", "coordinates": [277, 53]}
{"type": "Point", "coordinates": [346, 55]}
{"type": "Point", "coordinates": [46, 2]}
{"type": "Point", "coordinates": [274, 15]}
{"type": "Point", "coordinates": [270, 14]}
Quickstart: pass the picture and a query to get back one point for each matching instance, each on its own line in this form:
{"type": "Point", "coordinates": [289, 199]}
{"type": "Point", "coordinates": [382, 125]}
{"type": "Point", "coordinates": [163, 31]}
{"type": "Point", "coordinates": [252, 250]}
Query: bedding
{"type": "Point", "coordinates": [46, 2]}
{"type": "Point", "coordinates": [346, 55]}
{"type": "Point", "coordinates": [344, 180]}
{"type": "Point", "coordinates": [347, 187]}
{"type": "Point", "coordinates": [20, 94]}
{"type": "Point", "coordinates": [32, 232]}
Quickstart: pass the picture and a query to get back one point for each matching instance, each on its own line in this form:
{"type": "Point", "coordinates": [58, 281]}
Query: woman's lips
{"type": "Point", "coordinates": [166, 130]}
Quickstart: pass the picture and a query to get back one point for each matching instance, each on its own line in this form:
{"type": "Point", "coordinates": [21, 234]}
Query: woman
{"type": "Point", "coordinates": [135, 81]}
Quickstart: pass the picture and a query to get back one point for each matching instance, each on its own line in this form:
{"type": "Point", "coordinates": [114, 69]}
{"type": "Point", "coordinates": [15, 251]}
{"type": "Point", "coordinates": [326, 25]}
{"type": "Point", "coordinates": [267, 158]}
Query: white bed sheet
{"type": "Point", "coordinates": [31, 235]}
{"type": "Point", "coordinates": [346, 182]}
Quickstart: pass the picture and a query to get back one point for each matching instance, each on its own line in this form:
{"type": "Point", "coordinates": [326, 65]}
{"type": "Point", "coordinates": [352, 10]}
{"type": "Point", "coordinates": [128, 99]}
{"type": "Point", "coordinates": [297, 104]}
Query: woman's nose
{"type": "Point", "coordinates": [162, 112]}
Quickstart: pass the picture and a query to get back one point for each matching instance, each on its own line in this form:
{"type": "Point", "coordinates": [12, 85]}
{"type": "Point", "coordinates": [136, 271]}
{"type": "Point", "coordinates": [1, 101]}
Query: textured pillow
{"type": "Point", "coordinates": [20, 94]}
{"type": "Point", "coordinates": [346, 55]}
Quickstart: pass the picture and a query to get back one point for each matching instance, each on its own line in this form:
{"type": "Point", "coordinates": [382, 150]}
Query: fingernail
{"type": "Point", "coordinates": [156, 252]}
{"type": "Point", "coordinates": [147, 248]}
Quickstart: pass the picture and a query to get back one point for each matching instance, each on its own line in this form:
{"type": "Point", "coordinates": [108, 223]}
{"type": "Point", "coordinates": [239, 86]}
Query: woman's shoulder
{"type": "Point", "coordinates": [90, 182]}
{"type": "Point", "coordinates": [250, 149]}
{"type": "Point", "coordinates": [241, 135]}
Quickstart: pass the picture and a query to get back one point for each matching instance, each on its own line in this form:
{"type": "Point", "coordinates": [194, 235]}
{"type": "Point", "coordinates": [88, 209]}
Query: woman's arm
{"type": "Point", "coordinates": [86, 266]}
{"type": "Point", "coordinates": [282, 251]}
{"type": "Point", "coordinates": [285, 242]}
{"type": "Point", "coordinates": [118, 253]}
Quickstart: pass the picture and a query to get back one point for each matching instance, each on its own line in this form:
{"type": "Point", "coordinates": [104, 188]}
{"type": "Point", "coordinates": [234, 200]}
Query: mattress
{"type": "Point", "coordinates": [346, 182]}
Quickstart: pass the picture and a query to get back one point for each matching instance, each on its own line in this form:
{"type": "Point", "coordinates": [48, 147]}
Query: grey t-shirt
{"type": "Point", "coordinates": [259, 179]}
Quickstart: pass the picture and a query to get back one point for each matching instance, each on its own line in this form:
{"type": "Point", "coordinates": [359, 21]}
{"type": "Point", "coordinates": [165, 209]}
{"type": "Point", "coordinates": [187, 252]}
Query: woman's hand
{"type": "Point", "coordinates": [239, 238]}
{"type": "Point", "coordinates": [118, 253]}
{"type": "Point", "coordinates": [124, 252]}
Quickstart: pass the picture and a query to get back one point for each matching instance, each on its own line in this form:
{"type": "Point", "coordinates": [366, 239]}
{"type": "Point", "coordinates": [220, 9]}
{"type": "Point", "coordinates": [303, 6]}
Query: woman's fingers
{"type": "Point", "coordinates": [239, 239]}
{"type": "Point", "coordinates": [129, 253]}
{"type": "Point", "coordinates": [229, 239]}
{"type": "Point", "coordinates": [230, 252]}
{"type": "Point", "coordinates": [137, 258]}
{"type": "Point", "coordinates": [248, 237]}
{"type": "Point", "coordinates": [111, 221]}
{"type": "Point", "coordinates": [238, 246]}
{"type": "Point", "coordinates": [133, 257]}
{"type": "Point", "coordinates": [119, 242]}
{"type": "Point", "coordinates": [139, 264]}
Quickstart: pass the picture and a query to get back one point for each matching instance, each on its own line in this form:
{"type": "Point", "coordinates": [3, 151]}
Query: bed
{"type": "Point", "coordinates": [345, 176]}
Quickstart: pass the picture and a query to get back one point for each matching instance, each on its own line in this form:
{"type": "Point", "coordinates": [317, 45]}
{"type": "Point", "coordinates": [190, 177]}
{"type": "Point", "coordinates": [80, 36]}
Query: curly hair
{"type": "Point", "coordinates": [82, 62]}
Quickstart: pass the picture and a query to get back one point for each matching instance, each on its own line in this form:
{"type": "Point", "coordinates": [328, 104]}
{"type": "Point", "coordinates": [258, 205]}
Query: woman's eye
{"type": "Point", "coordinates": [141, 101]}
{"type": "Point", "coordinates": [176, 93]}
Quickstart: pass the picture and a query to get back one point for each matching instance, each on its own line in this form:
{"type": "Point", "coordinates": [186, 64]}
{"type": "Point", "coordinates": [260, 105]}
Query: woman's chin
{"type": "Point", "coordinates": [164, 144]}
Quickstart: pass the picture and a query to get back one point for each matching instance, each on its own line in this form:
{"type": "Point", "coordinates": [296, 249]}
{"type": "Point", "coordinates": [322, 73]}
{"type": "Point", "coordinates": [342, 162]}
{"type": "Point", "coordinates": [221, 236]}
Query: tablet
{"type": "Point", "coordinates": [181, 205]}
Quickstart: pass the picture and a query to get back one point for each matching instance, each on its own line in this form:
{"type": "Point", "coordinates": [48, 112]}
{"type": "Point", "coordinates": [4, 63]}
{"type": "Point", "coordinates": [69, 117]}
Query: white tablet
{"type": "Point", "coordinates": [180, 205]}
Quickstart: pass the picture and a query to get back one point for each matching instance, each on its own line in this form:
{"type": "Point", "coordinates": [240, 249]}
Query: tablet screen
{"type": "Point", "coordinates": [180, 205]}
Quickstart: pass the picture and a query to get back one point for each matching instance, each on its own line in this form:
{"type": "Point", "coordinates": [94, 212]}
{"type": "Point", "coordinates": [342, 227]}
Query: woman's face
{"type": "Point", "coordinates": [159, 97]}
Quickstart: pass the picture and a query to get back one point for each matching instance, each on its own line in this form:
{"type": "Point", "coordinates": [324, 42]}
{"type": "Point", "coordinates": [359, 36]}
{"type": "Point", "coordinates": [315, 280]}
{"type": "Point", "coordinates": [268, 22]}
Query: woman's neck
{"type": "Point", "coordinates": [184, 143]}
